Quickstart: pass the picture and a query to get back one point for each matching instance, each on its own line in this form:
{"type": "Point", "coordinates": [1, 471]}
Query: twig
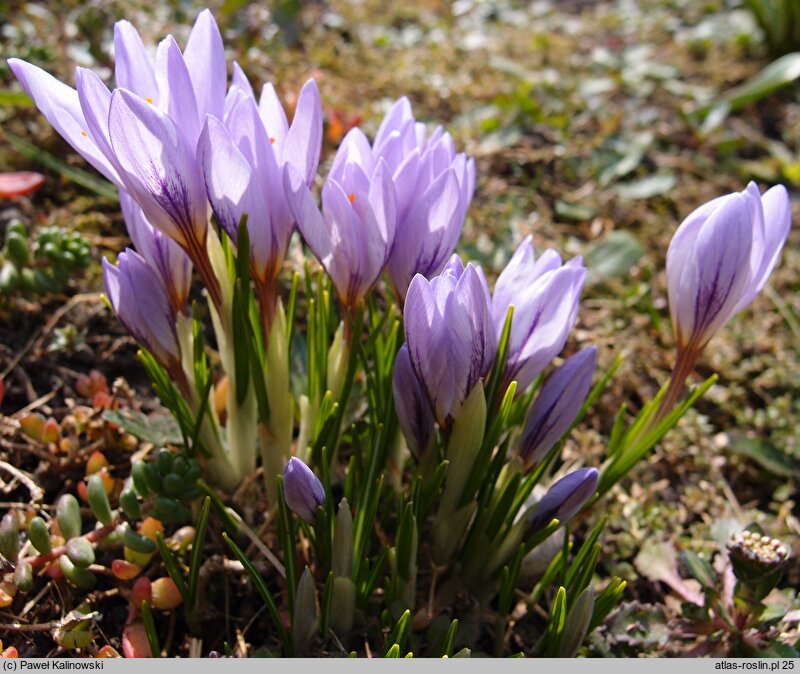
{"type": "Point", "coordinates": [37, 494]}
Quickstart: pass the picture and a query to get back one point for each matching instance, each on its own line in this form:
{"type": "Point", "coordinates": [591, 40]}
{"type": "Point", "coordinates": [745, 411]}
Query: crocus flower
{"type": "Point", "coordinates": [556, 406]}
{"type": "Point", "coordinates": [160, 252]}
{"type": "Point", "coordinates": [434, 188]}
{"type": "Point", "coordinates": [720, 259]}
{"type": "Point", "coordinates": [143, 136]}
{"type": "Point", "coordinates": [564, 499]}
{"type": "Point", "coordinates": [545, 295]}
{"type": "Point", "coordinates": [411, 402]}
{"type": "Point", "coordinates": [354, 234]}
{"type": "Point", "coordinates": [302, 490]}
{"type": "Point", "coordinates": [243, 162]}
{"type": "Point", "coordinates": [451, 342]}
{"type": "Point", "coordinates": [139, 299]}
{"type": "Point", "coordinates": [717, 262]}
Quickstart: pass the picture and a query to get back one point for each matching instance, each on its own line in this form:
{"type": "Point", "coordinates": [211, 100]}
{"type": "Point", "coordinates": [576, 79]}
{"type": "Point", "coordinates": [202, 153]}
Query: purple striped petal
{"type": "Point", "coordinates": [556, 406]}
{"type": "Point", "coordinates": [412, 405]}
{"type": "Point", "coordinates": [158, 168]}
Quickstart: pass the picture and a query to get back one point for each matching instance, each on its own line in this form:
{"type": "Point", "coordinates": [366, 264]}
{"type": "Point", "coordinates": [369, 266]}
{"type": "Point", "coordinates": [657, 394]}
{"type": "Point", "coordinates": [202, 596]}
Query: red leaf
{"type": "Point", "coordinates": [19, 184]}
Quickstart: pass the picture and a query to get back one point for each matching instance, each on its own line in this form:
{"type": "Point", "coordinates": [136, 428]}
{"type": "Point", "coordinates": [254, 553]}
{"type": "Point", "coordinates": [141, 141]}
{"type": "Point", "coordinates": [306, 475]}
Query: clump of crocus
{"type": "Point", "coordinates": [302, 490]}
{"type": "Point", "coordinates": [451, 342]}
{"type": "Point", "coordinates": [718, 261]}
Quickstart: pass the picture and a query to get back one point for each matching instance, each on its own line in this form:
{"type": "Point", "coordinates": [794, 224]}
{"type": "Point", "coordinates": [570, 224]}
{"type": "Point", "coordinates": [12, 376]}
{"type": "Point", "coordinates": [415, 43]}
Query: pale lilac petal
{"type": "Point", "coordinates": [95, 100]}
{"type": "Point", "coordinates": [176, 91]}
{"type": "Point", "coordinates": [133, 67]}
{"type": "Point", "coordinates": [777, 223]}
{"type": "Point", "coordinates": [233, 192]}
{"type": "Point", "coordinates": [394, 120]}
{"type": "Point", "coordinates": [304, 138]}
{"type": "Point", "coordinates": [305, 211]}
{"type": "Point", "coordinates": [205, 60]}
{"type": "Point", "coordinates": [61, 106]}
{"type": "Point", "coordinates": [273, 117]}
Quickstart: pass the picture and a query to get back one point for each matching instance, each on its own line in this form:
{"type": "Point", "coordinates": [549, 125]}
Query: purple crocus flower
{"type": "Point", "coordinates": [564, 499]}
{"type": "Point", "coordinates": [451, 342]}
{"type": "Point", "coordinates": [434, 188]}
{"type": "Point", "coordinates": [143, 136]}
{"type": "Point", "coordinates": [412, 405]}
{"type": "Point", "coordinates": [243, 162]}
{"type": "Point", "coordinates": [720, 259]}
{"type": "Point", "coordinates": [160, 252]}
{"type": "Point", "coordinates": [137, 294]}
{"type": "Point", "coordinates": [556, 406]}
{"type": "Point", "coordinates": [354, 234]}
{"type": "Point", "coordinates": [545, 295]}
{"type": "Point", "coordinates": [302, 490]}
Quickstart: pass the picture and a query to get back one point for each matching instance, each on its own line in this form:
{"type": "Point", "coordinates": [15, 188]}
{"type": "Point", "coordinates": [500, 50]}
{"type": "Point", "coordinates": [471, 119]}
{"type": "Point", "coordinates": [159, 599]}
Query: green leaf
{"type": "Point", "coordinates": [150, 630]}
{"type": "Point", "coordinates": [574, 212]}
{"type": "Point", "coordinates": [98, 500]}
{"type": "Point", "coordinates": [449, 640]}
{"type": "Point", "coordinates": [68, 514]}
{"type": "Point", "coordinates": [700, 569]}
{"type": "Point", "coordinates": [613, 256]}
{"type": "Point", "coordinates": [766, 455]}
{"type": "Point", "coordinates": [197, 551]}
{"type": "Point", "coordinates": [775, 76]}
{"type": "Point", "coordinates": [399, 634]}
{"type": "Point", "coordinates": [18, 99]}
{"type": "Point", "coordinates": [157, 429]}
{"type": "Point", "coordinates": [646, 188]}
{"type": "Point", "coordinates": [80, 552]}
{"type": "Point", "coordinates": [171, 564]}
{"type": "Point", "coordinates": [39, 536]}
{"type": "Point", "coordinates": [555, 626]}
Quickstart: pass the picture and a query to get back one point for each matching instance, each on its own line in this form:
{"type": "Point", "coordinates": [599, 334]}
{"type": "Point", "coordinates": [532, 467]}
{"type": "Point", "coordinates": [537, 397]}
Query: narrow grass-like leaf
{"type": "Point", "coordinates": [150, 630]}
{"type": "Point", "coordinates": [286, 536]}
{"type": "Point", "coordinates": [172, 567]}
{"type": "Point", "coordinates": [196, 558]}
{"type": "Point", "coordinates": [263, 591]}
{"type": "Point", "coordinates": [449, 639]}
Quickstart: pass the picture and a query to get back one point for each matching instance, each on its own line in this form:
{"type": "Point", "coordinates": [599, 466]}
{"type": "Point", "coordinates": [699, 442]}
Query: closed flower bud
{"type": "Point", "coordinates": [556, 406]}
{"type": "Point", "coordinates": [564, 499]}
{"type": "Point", "coordinates": [302, 490]}
{"type": "Point", "coordinates": [721, 257]}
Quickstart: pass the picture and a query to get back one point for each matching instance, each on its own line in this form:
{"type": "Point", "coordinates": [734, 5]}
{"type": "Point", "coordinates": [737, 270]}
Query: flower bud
{"type": "Point", "coordinates": [302, 490]}
{"type": "Point", "coordinates": [556, 406]}
{"type": "Point", "coordinates": [564, 499]}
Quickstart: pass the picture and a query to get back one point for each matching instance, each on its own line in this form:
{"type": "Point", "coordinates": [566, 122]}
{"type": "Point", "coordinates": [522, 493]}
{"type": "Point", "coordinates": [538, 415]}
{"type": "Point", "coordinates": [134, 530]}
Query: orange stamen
{"type": "Point", "coordinates": [351, 198]}
{"type": "Point", "coordinates": [84, 134]}
{"type": "Point", "coordinates": [148, 99]}
{"type": "Point", "coordinates": [271, 140]}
